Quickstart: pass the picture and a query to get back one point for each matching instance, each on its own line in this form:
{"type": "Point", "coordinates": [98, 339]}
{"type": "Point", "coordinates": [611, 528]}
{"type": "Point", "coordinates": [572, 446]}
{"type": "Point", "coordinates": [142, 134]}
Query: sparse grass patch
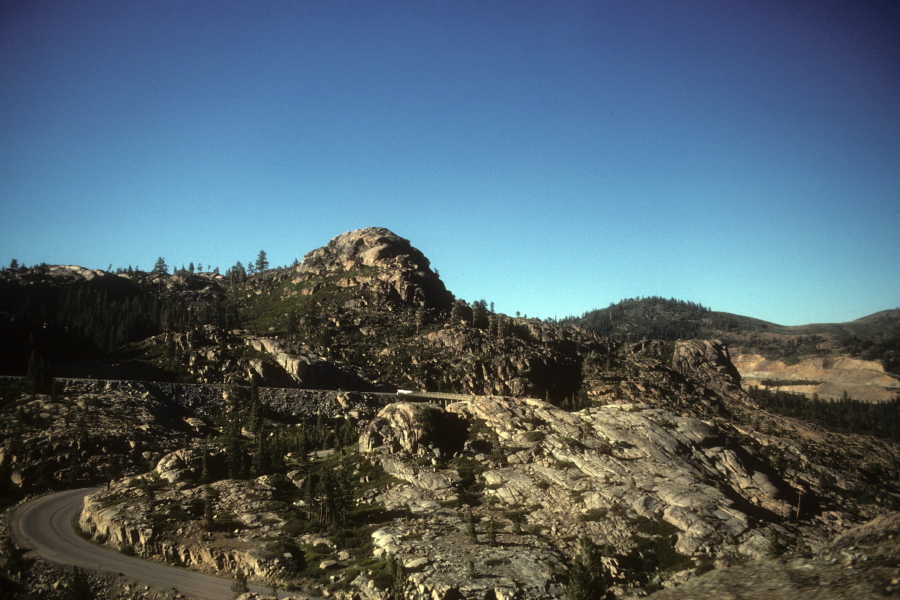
{"type": "Point", "coordinates": [226, 521]}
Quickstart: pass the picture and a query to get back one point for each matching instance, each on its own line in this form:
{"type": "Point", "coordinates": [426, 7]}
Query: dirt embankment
{"type": "Point", "coordinates": [829, 377]}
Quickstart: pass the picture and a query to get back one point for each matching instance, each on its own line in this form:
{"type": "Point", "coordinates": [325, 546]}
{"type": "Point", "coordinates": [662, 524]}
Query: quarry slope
{"type": "Point", "coordinates": [826, 377]}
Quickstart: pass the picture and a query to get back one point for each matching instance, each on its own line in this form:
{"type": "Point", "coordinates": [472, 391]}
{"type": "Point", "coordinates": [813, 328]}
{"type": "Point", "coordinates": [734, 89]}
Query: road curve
{"type": "Point", "coordinates": [44, 525]}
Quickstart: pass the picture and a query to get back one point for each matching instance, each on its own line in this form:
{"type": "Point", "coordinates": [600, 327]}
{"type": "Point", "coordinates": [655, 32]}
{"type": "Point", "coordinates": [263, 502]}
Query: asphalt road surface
{"type": "Point", "coordinates": [44, 525]}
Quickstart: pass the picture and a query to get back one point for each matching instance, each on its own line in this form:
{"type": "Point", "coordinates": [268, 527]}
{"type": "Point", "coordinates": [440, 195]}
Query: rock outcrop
{"type": "Point", "coordinates": [690, 377]}
{"type": "Point", "coordinates": [139, 516]}
{"type": "Point", "coordinates": [664, 494]}
{"type": "Point", "coordinates": [307, 369]}
{"type": "Point", "coordinates": [487, 496]}
{"type": "Point", "coordinates": [85, 432]}
{"type": "Point", "coordinates": [380, 263]}
{"type": "Point", "coordinates": [860, 564]}
{"type": "Point", "coordinates": [532, 360]}
{"type": "Point", "coordinates": [699, 357]}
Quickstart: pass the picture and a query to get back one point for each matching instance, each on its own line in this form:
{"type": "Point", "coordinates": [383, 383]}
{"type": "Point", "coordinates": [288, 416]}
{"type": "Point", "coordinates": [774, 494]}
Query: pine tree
{"type": "Point", "coordinates": [234, 448]}
{"type": "Point", "coordinates": [205, 476]}
{"type": "Point", "coordinates": [261, 462]}
{"type": "Point", "coordinates": [16, 566]}
{"type": "Point", "coordinates": [470, 528]}
{"type": "Point", "coordinates": [262, 263]}
{"type": "Point", "coordinates": [160, 268]}
{"type": "Point", "coordinates": [254, 419]}
{"type": "Point", "coordinates": [78, 587]}
{"type": "Point", "coordinates": [276, 452]}
{"type": "Point", "coordinates": [480, 314]}
{"type": "Point", "coordinates": [38, 377]}
{"type": "Point", "coordinates": [492, 532]}
{"type": "Point", "coordinates": [208, 514]}
{"type": "Point", "coordinates": [588, 579]}
{"type": "Point", "coordinates": [397, 575]}
{"type": "Point", "coordinates": [236, 274]}
{"type": "Point", "coordinates": [461, 311]}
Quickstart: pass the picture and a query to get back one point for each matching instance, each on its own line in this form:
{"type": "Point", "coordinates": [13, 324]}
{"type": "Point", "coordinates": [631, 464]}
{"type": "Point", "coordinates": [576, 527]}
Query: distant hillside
{"type": "Point", "coordinates": [635, 319]}
{"type": "Point", "coordinates": [364, 312]}
{"type": "Point", "coordinates": [367, 312]}
{"type": "Point", "coordinates": [797, 358]}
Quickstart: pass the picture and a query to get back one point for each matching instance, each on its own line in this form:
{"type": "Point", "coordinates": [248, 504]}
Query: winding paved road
{"type": "Point", "coordinates": [45, 526]}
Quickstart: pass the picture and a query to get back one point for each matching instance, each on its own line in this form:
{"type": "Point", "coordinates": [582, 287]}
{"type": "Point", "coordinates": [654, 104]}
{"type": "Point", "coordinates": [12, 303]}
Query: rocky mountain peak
{"type": "Point", "coordinates": [377, 257]}
{"type": "Point", "coordinates": [369, 247]}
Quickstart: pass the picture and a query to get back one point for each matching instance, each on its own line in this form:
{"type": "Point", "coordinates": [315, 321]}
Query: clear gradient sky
{"type": "Point", "coordinates": [550, 157]}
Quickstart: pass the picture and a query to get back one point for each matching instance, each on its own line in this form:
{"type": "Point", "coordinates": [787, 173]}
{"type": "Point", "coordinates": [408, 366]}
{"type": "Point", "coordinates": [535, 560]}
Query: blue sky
{"type": "Point", "coordinates": [550, 157]}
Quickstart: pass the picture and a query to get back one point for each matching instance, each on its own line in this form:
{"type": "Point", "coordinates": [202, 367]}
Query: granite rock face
{"type": "Point", "coordinates": [633, 460]}
{"type": "Point", "coordinates": [86, 431]}
{"type": "Point", "coordinates": [860, 564]}
{"type": "Point", "coordinates": [487, 496]}
{"type": "Point", "coordinates": [128, 517]}
{"type": "Point", "coordinates": [664, 495]}
{"type": "Point", "coordinates": [701, 357]}
{"type": "Point", "coordinates": [379, 263]}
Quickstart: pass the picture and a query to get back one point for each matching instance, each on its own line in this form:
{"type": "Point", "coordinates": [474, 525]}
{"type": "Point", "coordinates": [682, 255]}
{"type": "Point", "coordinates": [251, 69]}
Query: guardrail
{"type": "Point", "coordinates": [410, 395]}
{"type": "Point", "coordinates": [446, 397]}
